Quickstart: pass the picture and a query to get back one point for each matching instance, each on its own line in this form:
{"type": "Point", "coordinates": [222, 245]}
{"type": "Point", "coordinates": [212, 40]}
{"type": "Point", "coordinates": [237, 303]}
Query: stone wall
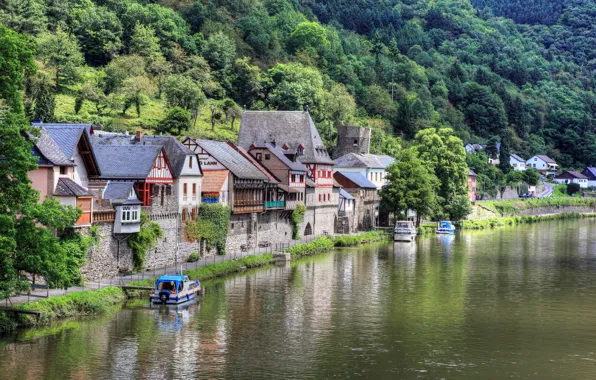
{"type": "Point", "coordinates": [352, 140]}
{"type": "Point", "coordinates": [556, 210]}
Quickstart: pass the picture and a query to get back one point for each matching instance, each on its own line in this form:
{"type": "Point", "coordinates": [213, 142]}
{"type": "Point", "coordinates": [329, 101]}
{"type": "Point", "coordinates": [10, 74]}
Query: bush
{"type": "Point", "coordinates": [353, 240]}
{"type": "Point", "coordinates": [321, 244]}
{"type": "Point", "coordinates": [572, 188]}
{"type": "Point", "coordinates": [515, 220]}
{"type": "Point", "coordinates": [194, 257]}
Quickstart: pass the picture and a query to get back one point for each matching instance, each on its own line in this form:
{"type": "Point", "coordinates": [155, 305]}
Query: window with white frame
{"type": "Point", "coordinates": [130, 214]}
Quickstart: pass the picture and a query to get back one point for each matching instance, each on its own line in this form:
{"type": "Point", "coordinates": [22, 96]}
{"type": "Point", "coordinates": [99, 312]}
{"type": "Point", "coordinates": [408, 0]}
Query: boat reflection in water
{"type": "Point", "coordinates": [404, 255]}
{"type": "Point", "coordinates": [174, 317]}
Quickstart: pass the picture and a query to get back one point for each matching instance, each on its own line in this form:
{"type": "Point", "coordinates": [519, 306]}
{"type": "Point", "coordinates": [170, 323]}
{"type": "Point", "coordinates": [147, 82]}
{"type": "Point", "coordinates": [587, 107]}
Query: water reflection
{"type": "Point", "coordinates": [503, 303]}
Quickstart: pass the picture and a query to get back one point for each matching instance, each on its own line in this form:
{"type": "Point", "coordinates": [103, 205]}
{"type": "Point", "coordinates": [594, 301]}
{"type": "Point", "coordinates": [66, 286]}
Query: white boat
{"type": "Point", "coordinates": [404, 231]}
{"type": "Point", "coordinates": [445, 227]}
{"type": "Point", "coordinates": [175, 290]}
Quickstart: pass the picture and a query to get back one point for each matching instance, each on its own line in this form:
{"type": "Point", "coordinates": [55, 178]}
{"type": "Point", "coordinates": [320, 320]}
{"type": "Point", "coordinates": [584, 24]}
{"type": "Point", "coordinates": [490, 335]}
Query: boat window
{"type": "Point", "coordinates": [166, 285]}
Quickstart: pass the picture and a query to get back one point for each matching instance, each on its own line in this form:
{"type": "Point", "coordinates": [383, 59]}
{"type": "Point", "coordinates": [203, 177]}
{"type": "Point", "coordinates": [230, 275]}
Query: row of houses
{"type": "Point", "coordinates": [279, 162]}
{"type": "Point", "coordinates": [544, 164]}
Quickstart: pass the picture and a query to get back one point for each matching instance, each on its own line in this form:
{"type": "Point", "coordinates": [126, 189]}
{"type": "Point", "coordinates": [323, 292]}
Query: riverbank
{"type": "Point", "coordinates": [94, 302]}
{"type": "Point", "coordinates": [481, 224]}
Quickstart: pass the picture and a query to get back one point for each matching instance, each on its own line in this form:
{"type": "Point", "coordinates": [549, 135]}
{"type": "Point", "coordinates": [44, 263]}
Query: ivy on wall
{"type": "Point", "coordinates": [297, 218]}
{"type": "Point", "coordinates": [212, 226]}
{"type": "Point", "coordinates": [143, 240]}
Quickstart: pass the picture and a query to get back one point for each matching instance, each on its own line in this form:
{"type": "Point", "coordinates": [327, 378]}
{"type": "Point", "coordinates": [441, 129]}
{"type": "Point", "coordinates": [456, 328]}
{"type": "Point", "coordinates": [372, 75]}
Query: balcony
{"type": "Point", "coordinates": [275, 204]}
{"type": "Point", "coordinates": [209, 200]}
{"type": "Point", "coordinates": [104, 216]}
{"type": "Point", "coordinates": [291, 205]}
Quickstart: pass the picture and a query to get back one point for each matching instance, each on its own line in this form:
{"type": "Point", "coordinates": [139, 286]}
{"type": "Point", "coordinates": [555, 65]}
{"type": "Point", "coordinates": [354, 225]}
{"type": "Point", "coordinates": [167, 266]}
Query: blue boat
{"type": "Point", "coordinates": [445, 227]}
{"type": "Point", "coordinates": [175, 290]}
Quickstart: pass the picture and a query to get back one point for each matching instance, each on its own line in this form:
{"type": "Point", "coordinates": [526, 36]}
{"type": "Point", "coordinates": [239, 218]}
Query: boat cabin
{"type": "Point", "coordinates": [445, 227]}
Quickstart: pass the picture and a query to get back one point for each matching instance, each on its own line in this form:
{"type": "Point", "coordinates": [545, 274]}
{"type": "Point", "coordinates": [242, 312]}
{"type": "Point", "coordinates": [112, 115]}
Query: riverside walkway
{"type": "Point", "coordinates": [39, 294]}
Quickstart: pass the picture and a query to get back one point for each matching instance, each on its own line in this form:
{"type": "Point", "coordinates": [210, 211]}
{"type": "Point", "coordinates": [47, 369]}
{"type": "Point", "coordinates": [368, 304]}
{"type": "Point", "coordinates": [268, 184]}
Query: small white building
{"type": "Point", "coordinates": [517, 163]}
{"type": "Point", "coordinates": [371, 166]}
{"type": "Point", "coordinates": [542, 163]}
{"type": "Point", "coordinates": [123, 197]}
{"type": "Point", "coordinates": [572, 177]}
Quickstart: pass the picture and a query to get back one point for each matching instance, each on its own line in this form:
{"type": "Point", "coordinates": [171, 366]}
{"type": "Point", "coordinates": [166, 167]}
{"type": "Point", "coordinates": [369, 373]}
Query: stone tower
{"type": "Point", "coordinates": [352, 140]}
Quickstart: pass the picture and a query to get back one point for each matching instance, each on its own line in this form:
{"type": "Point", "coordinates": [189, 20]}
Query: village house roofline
{"type": "Point", "coordinates": [357, 160]}
{"type": "Point", "coordinates": [257, 164]}
{"type": "Point", "coordinates": [546, 159]}
{"type": "Point", "coordinates": [345, 194]}
{"type": "Point", "coordinates": [571, 174]}
{"type": "Point", "coordinates": [230, 158]}
{"type": "Point", "coordinates": [358, 179]}
{"type": "Point", "coordinates": [279, 153]}
{"type": "Point", "coordinates": [66, 187]}
{"type": "Point", "coordinates": [290, 128]}
{"type": "Point", "coordinates": [126, 161]}
{"type": "Point", "coordinates": [591, 172]}
{"type": "Point", "coordinates": [48, 148]}
{"type": "Point", "coordinates": [213, 180]}
{"type": "Point", "coordinates": [517, 158]}
{"type": "Point", "coordinates": [118, 193]}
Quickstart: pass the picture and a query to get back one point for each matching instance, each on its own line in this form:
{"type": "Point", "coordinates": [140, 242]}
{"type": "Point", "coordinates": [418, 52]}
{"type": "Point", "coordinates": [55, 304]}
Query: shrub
{"type": "Point", "coordinates": [321, 244]}
{"type": "Point", "coordinates": [573, 188]}
{"type": "Point", "coordinates": [194, 257]}
{"type": "Point", "coordinates": [297, 218]}
{"type": "Point", "coordinates": [143, 240]}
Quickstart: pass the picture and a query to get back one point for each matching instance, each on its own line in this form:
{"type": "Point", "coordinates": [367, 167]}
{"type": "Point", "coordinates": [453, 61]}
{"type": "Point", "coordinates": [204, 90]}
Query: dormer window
{"type": "Point", "coordinates": [190, 163]}
{"type": "Point", "coordinates": [300, 149]}
{"type": "Point", "coordinates": [131, 194]}
{"type": "Point", "coordinates": [63, 170]}
{"type": "Point", "coordinates": [285, 147]}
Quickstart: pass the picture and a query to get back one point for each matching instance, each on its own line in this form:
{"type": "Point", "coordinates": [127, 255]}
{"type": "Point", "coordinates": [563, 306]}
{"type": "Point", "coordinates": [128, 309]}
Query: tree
{"type": "Point", "coordinates": [176, 122]}
{"type": "Point", "coordinates": [293, 87]}
{"type": "Point", "coordinates": [215, 111]}
{"type": "Point", "coordinates": [246, 86]}
{"type": "Point", "coordinates": [382, 143]}
{"type": "Point", "coordinates": [40, 89]}
{"type": "Point", "coordinates": [492, 150]}
{"type": "Point", "coordinates": [60, 51]}
{"type": "Point", "coordinates": [446, 158]}
{"type": "Point", "coordinates": [99, 32]}
{"type": "Point", "coordinates": [143, 42]}
{"type": "Point", "coordinates": [232, 111]}
{"type": "Point", "coordinates": [121, 68]}
{"type": "Point", "coordinates": [310, 37]}
{"type": "Point", "coordinates": [136, 91]}
{"type": "Point", "coordinates": [160, 68]}
{"type": "Point", "coordinates": [573, 188]}
{"type": "Point", "coordinates": [23, 16]}
{"type": "Point", "coordinates": [339, 106]}
{"type": "Point", "coordinates": [182, 91]}
{"type": "Point", "coordinates": [410, 186]}
{"type": "Point", "coordinates": [220, 52]}
{"type": "Point", "coordinates": [531, 176]}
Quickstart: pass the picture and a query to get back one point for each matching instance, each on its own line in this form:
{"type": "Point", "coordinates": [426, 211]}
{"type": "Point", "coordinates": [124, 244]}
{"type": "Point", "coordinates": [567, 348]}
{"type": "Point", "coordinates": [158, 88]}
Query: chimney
{"type": "Point", "coordinates": [138, 136]}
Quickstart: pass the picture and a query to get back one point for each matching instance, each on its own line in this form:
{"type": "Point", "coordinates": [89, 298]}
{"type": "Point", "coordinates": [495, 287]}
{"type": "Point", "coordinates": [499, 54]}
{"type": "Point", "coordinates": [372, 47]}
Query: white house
{"type": "Point", "coordinates": [572, 177]}
{"type": "Point", "coordinates": [517, 163]}
{"type": "Point", "coordinates": [543, 164]}
{"type": "Point", "coordinates": [371, 166]}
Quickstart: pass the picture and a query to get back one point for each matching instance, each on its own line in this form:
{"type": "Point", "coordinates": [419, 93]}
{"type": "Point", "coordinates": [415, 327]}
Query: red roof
{"type": "Point", "coordinates": [213, 180]}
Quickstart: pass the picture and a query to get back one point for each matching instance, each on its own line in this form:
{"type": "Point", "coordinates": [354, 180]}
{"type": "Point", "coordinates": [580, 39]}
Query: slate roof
{"type": "Point", "coordinates": [245, 154]}
{"type": "Point", "coordinates": [232, 160]}
{"type": "Point", "coordinates": [175, 151]}
{"type": "Point", "coordinates": [386, 161]}
{"type": "Point", "coordinates": [213, 180]}
{"type": "Point", "coordinates": [66, 187]}
{"type": "Point", "coordinates": [590, 171]}
{"type": "Point", "coordinates": [292, 128]}
{"type": "Point", "coordinates": [118, 192]}
{"type": "Point", "coordinates": [354, 160]}
{"type": "Point", "coordinates": [125, 162]}
{"type": "Point", "coordinates": [357, 178]}
{"type": "Point", "coordinates": [546, 159]}
{"type": "Point", "coordinates": [471, 173]}
{"type": "Point", "coordinates": [572, 174]}
{"type": "Point", "coordinates": [279, 153]}
{"type": "Point", "coordinates": [518, 158]}
{"type": "Point", "coordinates": [345, 194]}
{"type": "Point", "coordinates": [67, 136]}
{"type": "Point", "coordinates": [51, 151]}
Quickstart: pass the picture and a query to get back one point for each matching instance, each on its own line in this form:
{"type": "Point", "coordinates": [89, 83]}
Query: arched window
{"type": "Point", "coordinates": [308, 229]}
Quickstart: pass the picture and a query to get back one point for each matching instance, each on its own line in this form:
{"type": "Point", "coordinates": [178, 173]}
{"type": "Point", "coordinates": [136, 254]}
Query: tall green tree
{"type": "Point", "coordinates": [60, 51]}
{"type": "Point", "coordinates": [410, 186]}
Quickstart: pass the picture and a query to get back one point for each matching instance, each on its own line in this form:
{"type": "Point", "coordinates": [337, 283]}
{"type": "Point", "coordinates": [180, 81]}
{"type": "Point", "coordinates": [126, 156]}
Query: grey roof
{"type": "Point", "coordinates": [386, 161]}
{"type": "Point", "coordinates": [118, 192]}
{"type": "Point", "coordinates": [175, 151]}
{"type": "Point", "coordinates": [292, 128]}
{"type": "Point", "coordinates": [345, 194]}
{"type": "Point", "coordinates": [518, 158]}
{"type": "Point", "coordinates": [279, 153]}
{"type": "Point", "coordinates": [66, 187]}
{"type": "Point", "coordinates": [51, 151]}
{"type": "Point", "coordinates": [358, 179]}
{"type": "Point", "coordinates": [590, 171]}
{"type": "Point", "coordinates": [546, 159]}
{"type": "Point", "coordinates": [354, 160]}
{"type": "Point", "coordinates": [125, 161]}
{"type": "Point", "coordinates": [571, 173]}
{"type": "Point", "coordinates": [471, 173]}
{"type": "Point", "coordinates": [232, 160]}
{"type": "Point", "coordinates": [67, 136]}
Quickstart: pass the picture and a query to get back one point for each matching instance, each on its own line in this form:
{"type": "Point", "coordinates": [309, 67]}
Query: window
{"type": "Point", "coordinates": [63, 170]}
{"type": "Point", "coordinates": [190, 163]}
{"type": "Point", "coordinates": [194, 189]}
{"type": "Point", "coordinates": [259, 156]}
{"type": "Point", "coordinates": [185, 189]}
{"type": "Point", "coordinates": [319, 197]}
{"type": "Point", "coordinates": [301, 178]}
{"type": "Point", "coordinates": [194, 214]}
{"type": "Point", "coordinates": [267, 156]}
{"type": "Point", "coordinates": [184, 215]}
{"type": "Point", "coordinates": [293, 178]}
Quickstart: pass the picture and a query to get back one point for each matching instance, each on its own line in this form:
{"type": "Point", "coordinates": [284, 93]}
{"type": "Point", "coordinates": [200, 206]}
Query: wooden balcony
{"type": "Point", "coordinates": [104, 216]}
{"type": "Point", "coordinates": [275, 204]}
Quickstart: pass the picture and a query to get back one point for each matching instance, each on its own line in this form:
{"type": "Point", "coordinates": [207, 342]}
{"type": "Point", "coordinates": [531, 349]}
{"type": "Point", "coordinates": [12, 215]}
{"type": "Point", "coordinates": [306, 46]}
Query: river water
{"type": "Point", "coordinates": [507, 303]}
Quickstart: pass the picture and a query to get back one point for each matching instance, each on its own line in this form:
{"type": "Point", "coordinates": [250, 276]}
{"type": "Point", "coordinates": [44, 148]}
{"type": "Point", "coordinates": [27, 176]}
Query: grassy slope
{"type": "Point", "coordinates": [151, 114]}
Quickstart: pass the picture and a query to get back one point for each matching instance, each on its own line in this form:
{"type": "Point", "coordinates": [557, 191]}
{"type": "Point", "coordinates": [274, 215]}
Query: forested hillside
{"type": "Point", "coordinates": [398, 66]}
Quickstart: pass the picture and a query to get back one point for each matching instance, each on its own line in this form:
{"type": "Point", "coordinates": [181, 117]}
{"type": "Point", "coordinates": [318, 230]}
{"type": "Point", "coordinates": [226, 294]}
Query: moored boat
{"type": "Point", "coordinates": [175, 290]}
{"type": "Point", "coordinates": [404, 231]}
{"type": "Point", "coordinates": [445, 227]}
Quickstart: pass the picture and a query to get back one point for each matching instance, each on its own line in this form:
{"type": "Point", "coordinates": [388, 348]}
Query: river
{"type": "Point", "coordinates": [506, 303]}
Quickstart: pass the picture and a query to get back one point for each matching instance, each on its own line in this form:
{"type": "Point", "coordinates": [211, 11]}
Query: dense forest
{"type": "Point", "coordinates": [398, 66]}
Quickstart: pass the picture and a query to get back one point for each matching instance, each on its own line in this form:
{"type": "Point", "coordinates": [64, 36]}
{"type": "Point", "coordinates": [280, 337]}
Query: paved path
{"type": "Point", "coordinates": [123, 280]}
{"type": "Point", "coordinates": [548, 190]}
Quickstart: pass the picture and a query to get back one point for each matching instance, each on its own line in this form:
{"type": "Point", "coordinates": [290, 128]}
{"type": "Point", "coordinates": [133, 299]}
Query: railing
{"type": "Point", "coordinates": [209, 200]}
{"type": "Point", "coordinates": [104, 216]}
{"type": "Point", "coordinates": [275, 204]}
{"type": "Point", "coordinates": [194, 199]}
{"type": "Point", "coordinates": [291, 205]}
{"type": "Point", "coordinates": [185, 199]}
